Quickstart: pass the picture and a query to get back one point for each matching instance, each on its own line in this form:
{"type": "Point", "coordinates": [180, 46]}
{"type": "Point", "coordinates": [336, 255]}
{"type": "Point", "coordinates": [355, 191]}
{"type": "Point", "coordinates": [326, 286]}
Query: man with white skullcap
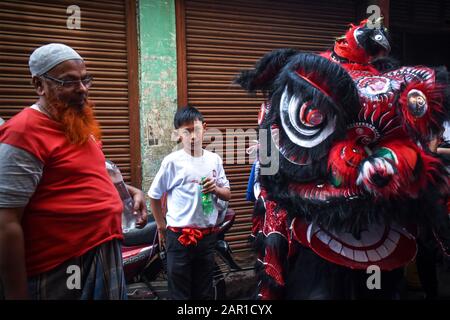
{"type": "Point", "coordinates": [60, 214]}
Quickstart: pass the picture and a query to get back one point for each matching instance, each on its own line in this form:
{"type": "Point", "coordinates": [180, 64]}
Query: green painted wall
{"type": "Point", "coordinates": [158, 83]}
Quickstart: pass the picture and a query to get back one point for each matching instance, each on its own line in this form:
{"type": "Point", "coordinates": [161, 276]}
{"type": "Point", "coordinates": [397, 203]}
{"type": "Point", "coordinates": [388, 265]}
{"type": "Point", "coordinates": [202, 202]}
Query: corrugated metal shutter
{"type": "Point", "coordinates": [420, 15]}
{"type": "Point", "coordinates": [25, 25]}
{"type": "Point", "coordinates": [420, 24]}
{"type": "Point", "coordinates": [223, 37]}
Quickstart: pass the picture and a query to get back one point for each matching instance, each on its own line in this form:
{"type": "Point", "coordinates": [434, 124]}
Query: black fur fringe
{"type": "Point", "coordinates": [385, 64]}
{"type": "Point", "coordinates": [265, 71]}
{"type": "Point", "coordinates": [354, 215]}
{"type": "Point", "coordinates": [279, 247]}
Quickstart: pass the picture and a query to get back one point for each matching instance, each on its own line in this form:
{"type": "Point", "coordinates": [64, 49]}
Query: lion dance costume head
{"type": "Point", "coordinates": [355, 174]}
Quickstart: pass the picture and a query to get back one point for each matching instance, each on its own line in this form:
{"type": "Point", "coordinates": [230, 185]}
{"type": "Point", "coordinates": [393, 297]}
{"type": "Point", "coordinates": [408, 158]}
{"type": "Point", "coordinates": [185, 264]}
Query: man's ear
{"type": "Point", "coordinates": [38, 85]}
{"type": "Point", "coordinates": [204, 125]}
{"type": "Point", "coordinates": [175, 136]}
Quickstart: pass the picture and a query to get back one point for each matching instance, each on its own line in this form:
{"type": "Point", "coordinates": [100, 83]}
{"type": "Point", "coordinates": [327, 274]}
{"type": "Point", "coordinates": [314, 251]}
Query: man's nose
{"type": "Point", "coordinates": [82, 87]}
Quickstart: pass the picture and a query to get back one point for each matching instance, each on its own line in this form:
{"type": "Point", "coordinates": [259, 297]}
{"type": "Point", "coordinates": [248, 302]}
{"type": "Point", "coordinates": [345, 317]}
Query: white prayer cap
{"type": "Point", "coordinates": [46, 57]}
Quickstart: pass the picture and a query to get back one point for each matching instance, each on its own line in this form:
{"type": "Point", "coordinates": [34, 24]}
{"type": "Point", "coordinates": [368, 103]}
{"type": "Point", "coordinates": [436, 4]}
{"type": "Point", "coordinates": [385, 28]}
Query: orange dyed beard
{"type": "Point", "coordinates": [78, 123]}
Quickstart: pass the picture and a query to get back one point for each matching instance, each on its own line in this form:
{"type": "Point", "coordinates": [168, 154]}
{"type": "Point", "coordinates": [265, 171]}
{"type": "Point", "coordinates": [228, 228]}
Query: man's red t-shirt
{"type": "Point", "coordinates": [75, 206]}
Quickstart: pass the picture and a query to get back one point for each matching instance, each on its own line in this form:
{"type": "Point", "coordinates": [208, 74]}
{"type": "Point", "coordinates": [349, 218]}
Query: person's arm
{"type": "Point", "coordinates": [223, 193]}
{"type": "Point", "coordinates": [433, 144]}
{"type": "Point", "coordinates": [160, 220]}
{"type": "Point", "coordinates": [12, 254]}
{"type": "Point", "coordinates": [210, 186]}
{"type": "Point", "coordinates": [139, 206]}
{"type": "Point", "coordinates": [20, 174]}
{"type": "Point", "coordinates": [443, 151]}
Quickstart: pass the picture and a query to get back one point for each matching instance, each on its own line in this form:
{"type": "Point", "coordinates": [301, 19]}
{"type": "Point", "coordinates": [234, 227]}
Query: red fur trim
{"type": "Point", "coordinates": [406, 182]}
{"type": "Point", "coordinates": [273, 266]}
{"type": "Point", "coordinates": [257, 223]}
{"type": "Point", "coordinates": [361, 24]}
{"type": "Point", "coordinates": [360, 67]}
{"type": "Point", "coordinates": [292, 247]}
{"type": "Point", "coordinates": [326, 54]}
{"type": "Point", "coordinates": [430, 122]}
{"type": "Point", "coordinates": [434, 173]}
{"type": "Point", "coordinates": [266, 294]}
{"type": "Point", "coordinates": [310, 79]}
{"type": "Point", "coordinates": [351, 66]}
{"type": "Point", "coordinates": [349, 49]}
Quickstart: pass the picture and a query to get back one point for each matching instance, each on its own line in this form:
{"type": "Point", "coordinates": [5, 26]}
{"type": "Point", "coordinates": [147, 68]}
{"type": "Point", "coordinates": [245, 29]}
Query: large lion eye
{"type": "Point", "coordinates": [310, 116]}
{"type": "Point", "coordinates": [417, 103]}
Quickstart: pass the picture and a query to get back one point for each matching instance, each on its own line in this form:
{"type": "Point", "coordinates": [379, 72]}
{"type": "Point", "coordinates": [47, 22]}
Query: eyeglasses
{"type": "Point", "coordinates": [87, 81]}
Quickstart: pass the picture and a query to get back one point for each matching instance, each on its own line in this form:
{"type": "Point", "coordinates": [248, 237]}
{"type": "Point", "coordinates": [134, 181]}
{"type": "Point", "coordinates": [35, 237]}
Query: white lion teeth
{"type": "Point", "coordinates": [373, 255]}
{"type": "Point", "coordinates": [382, 251]}
{"type": "Point", "coordinates": [394, 236]}
{"type": "Point", "coordinates": [323, 237]}
{"type": "Point", "coordinates": [335, 246]}
{"type": "Point", "coordinates": [309, 233]}
{"type": "Point", "coordinates": [341, 243]}
{"type": "Point", "coordinates": [360, 256]}
{"type": "Point", "coordinates": [348, 253]}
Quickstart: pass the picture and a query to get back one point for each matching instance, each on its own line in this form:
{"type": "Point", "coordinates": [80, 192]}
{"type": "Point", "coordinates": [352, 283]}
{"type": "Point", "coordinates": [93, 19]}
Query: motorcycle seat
{"type": "Point", "coordinates": [144, 236]}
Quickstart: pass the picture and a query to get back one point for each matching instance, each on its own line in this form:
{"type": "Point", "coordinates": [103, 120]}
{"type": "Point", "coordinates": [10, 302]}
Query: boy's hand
{"type": "Point", "coordinates": [209, 186]}
{"type": "Point", "coordinates": [160, 221]}
{"type": "Point", "coordinates": [162, 235]}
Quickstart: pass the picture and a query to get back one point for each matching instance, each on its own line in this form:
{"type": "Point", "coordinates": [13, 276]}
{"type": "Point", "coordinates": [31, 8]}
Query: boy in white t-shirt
{"type": "Point", "coordinates": [187, 232]}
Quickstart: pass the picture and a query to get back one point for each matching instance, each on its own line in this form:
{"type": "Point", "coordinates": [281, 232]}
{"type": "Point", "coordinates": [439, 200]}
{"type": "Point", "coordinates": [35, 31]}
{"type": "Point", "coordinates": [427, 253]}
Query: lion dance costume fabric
{"type": "Point", "coordinates": [355, 177]}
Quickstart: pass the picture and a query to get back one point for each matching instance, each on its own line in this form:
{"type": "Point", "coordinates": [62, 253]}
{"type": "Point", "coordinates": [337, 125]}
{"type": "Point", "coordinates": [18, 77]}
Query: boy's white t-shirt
{"type": "Point", "coordinates": [180, 175]}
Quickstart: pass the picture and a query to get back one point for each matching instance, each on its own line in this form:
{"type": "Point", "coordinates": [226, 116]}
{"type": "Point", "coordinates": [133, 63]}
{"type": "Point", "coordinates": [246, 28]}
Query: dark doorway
{"type": "Point", "coordinates": [428, 48]}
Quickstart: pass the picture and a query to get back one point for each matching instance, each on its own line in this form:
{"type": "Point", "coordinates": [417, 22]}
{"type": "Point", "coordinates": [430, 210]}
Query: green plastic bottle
{"type": "Point", "coordinates": [207, 203]}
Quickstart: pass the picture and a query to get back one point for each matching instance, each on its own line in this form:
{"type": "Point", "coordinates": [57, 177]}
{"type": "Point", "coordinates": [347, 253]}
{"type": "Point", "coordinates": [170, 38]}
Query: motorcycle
{"type": "Point", "coordinates": [144, 263]}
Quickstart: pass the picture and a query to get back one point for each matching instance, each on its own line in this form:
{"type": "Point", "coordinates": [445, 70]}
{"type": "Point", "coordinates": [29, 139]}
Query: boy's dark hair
{"type": "Point", "coordinates": [186, 114]}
